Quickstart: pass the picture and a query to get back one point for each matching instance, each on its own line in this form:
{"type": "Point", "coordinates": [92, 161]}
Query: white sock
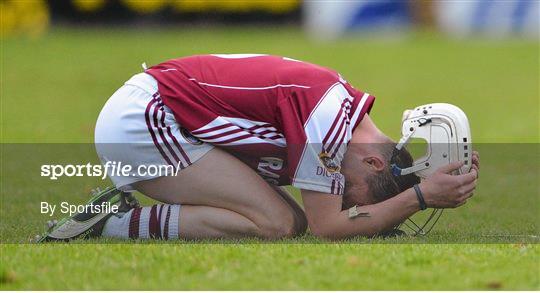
{"type": "Point", "coordinates": [158, 221]}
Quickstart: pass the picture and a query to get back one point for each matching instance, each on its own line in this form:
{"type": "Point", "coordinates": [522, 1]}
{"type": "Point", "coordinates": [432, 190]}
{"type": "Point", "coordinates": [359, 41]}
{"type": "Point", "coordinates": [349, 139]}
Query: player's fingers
{"type": "Point", "coordinates": [467, 190]}
{"type": "Point", "coordinates": [476, 161]}
{"type": "Point", "coordinates": [450, 167]}
{"type": "Point", "coordinates": [467, 178]}
{"type": "Point", "coordinates": [465, 198]}
{"type": "Point", "coordinates": [475, 167]}
{"type": "Point", "coordinates": [467, 195]}
{"type": "Point", "coordinates": [460, 203]}
{"type": "Point", "coordinates": [476, 153]}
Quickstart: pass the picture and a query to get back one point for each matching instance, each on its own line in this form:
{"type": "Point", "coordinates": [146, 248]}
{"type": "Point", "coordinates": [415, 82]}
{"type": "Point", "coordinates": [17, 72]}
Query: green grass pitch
{"type": "Point", "coordinates": [53, 88]}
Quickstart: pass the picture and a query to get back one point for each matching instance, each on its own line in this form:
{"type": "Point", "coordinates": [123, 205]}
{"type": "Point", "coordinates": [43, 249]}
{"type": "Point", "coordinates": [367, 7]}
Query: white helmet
{"type": "Point", "coordinates": [445, 128]}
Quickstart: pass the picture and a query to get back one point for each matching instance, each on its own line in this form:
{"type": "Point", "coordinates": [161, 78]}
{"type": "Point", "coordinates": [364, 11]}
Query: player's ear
{"type": "Point", "coordinates": [375, 163]}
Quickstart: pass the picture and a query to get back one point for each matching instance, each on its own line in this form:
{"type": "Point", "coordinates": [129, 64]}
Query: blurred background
{"type": "Point", "coordinates": [62, 59]}
{"type": "Point", "coordinates": [321, 19]}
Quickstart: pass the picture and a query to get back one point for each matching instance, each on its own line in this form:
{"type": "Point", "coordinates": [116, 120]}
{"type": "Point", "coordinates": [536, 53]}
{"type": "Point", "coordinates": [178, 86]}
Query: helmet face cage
{"type": "Point", "coordinates": [451, 144]}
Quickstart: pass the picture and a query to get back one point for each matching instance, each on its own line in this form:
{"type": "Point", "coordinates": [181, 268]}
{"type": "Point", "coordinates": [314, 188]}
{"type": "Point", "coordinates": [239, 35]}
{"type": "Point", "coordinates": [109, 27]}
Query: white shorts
{"type": "Point", "coordinates": [135, 128]}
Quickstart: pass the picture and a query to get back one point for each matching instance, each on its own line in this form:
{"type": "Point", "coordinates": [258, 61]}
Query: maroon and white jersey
{"type": "Point", "coordinates": [288, 120]}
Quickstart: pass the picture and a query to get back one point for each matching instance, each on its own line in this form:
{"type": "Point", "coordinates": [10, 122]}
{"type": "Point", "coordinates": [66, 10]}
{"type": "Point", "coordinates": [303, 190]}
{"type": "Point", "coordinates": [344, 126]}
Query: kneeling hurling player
{"type": "Point", "coordinates": [233, 129]}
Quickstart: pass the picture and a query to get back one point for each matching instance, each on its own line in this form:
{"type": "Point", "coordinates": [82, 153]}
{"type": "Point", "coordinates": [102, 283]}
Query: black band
{"type": "Point", "coordinates": [420, 197]}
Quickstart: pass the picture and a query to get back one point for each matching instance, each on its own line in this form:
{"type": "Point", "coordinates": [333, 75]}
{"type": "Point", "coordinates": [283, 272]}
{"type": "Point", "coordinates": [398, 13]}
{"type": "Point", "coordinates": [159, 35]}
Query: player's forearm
{"type": "Point", "coordinates": [374, 218]}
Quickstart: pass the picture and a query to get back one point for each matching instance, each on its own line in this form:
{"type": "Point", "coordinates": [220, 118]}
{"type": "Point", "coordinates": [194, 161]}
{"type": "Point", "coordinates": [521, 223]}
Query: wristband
{"type": "Point", "coordinates": [420, 197]}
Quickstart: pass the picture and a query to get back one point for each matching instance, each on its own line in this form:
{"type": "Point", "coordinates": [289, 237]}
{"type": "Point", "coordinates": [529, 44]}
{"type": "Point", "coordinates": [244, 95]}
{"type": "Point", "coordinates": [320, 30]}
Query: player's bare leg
{"type": "Point", "coordinates": [222, 197]}
{"type": "Point", "coordinates": [300, 219]}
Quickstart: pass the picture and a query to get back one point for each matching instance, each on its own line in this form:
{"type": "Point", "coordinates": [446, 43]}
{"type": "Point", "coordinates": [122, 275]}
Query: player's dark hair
{"type": "Point", "coordinates": [384, 185]}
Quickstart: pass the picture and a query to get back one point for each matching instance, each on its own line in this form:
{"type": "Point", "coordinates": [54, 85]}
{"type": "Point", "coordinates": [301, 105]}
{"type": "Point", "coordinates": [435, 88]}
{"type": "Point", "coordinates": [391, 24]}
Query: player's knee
{"type": "Point", "coordinates": [278, 231]}
{"type": "Point", "coordinates": [282, 226]}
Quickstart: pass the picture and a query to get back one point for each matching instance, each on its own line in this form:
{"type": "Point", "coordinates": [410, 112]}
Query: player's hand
{"type": "Point", "coordinates": [476, 162]}
{"type": "Point", "coordinates": [443, 190]}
